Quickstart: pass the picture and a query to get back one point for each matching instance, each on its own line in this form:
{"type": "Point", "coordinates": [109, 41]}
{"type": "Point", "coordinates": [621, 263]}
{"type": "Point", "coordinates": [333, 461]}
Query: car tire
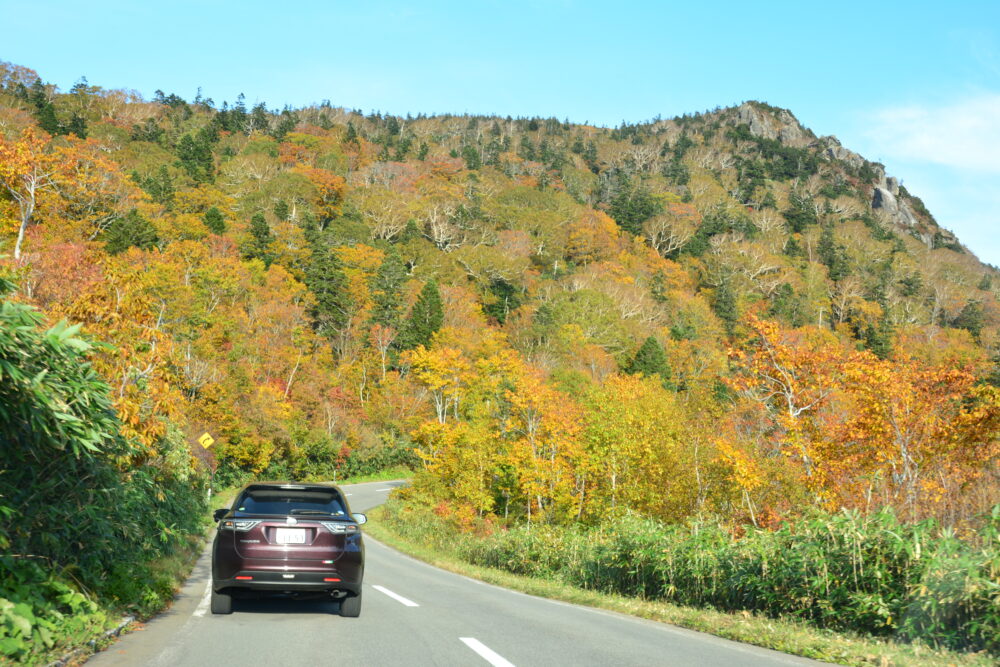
{"type": "Point", "coordinates": [351, 607]}
{"type": "Point", "coordinates": [222, 603]}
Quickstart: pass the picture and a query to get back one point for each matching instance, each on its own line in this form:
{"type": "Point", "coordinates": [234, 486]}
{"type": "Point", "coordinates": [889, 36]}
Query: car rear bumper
{"type": "Point", "coordinates": [287, 581]}
{"type": "Point", "coordinates": [286, 574]}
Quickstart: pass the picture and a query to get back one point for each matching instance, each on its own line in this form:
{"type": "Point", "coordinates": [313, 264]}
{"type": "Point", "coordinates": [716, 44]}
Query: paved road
{"type": "Point", "coordinates": [415, 614]}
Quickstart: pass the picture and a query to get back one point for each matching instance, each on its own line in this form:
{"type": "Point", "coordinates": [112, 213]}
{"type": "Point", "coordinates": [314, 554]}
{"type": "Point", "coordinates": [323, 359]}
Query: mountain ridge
{"type": "Point", "coordinates": [330, 291]}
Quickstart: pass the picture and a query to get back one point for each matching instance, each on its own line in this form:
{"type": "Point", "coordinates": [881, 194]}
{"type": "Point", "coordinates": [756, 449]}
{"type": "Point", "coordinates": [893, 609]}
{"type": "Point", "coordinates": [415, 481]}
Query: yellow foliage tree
{"type": "Point", "coordinates": [635, 435]}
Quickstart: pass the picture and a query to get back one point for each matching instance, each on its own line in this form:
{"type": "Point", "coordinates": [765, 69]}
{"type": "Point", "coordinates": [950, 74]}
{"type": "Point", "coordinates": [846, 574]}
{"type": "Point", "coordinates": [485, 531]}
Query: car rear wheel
{"type": "Point", "coordinates": [222, 603]}
{"type": "Point", "coordinates": [351, 607]}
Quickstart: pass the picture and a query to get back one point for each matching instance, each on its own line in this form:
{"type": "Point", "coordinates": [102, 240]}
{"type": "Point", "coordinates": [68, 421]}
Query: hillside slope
{"type": "Point", "coordinates": [714, 312]}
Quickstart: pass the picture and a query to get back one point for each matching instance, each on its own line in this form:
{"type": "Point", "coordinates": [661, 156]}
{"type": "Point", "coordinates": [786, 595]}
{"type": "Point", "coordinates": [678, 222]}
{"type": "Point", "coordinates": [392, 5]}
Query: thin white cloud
{"type": "Point", "coordinates": [963, 134]}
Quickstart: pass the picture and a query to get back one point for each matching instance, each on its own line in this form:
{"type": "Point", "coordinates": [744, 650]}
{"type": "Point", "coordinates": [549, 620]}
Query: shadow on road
{"type": "Point", "coordinates": [284, 606]}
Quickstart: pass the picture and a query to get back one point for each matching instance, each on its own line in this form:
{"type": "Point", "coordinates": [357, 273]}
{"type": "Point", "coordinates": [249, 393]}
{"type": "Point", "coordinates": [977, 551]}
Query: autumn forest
{"type": "Point", "coordinates": [718, 316]}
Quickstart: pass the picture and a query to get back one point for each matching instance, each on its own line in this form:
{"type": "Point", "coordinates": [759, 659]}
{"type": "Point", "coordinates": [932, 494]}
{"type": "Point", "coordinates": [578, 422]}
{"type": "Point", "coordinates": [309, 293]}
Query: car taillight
{"type": "Point", "coordinates": [339, 528]}
{"type": "Point", "coordinates": [239, 525]}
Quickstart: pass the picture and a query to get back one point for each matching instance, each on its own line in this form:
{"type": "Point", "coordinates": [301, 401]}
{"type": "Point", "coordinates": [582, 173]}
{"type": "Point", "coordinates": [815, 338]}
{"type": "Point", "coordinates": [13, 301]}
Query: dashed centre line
{"type": "Point", "coordinates": [486, 653]}
{"type": "Point", "coordinates": [396, 596]}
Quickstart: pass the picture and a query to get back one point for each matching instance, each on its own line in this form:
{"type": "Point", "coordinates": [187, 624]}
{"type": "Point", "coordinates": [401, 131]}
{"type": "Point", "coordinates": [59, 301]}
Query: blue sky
{"type": "Point", "coordinates": [915, 85]}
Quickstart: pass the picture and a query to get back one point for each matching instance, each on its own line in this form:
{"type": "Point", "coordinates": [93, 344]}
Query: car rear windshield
{"type": "Point", "coordinates": [283, 502]}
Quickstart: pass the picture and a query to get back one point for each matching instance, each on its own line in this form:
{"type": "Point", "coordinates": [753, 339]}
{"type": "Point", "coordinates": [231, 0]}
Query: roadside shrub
{"type": "Point", "coordinates": [845, 571]}
{"type": "Point", "coordinates": [79, 530]}
{"type": "Point", "coordinates": [38, 612]}
{"type": "Point", "coordinates": [389, 454]}
{"type": "Point", "coordinates": [322, 459]}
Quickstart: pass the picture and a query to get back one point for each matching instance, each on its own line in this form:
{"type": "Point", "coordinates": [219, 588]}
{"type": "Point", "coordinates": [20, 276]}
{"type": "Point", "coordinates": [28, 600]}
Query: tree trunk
{"type": "Point", "coordinates": [27, 208]}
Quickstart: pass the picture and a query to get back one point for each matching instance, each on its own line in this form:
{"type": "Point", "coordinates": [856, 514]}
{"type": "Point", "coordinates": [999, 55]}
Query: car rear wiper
{"type": "Point", "coordinates": [302, 511]}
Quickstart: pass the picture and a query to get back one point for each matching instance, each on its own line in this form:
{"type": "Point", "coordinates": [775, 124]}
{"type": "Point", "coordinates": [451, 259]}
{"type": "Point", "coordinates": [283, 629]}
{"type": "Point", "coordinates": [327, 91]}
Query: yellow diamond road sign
{"type": "Point", "coordinates": [206, 440]}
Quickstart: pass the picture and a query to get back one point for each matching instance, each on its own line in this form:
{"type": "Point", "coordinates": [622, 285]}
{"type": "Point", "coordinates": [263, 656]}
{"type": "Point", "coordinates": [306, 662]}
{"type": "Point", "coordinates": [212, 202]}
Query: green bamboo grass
{"type": "Point", "coordinates": [872, 574]}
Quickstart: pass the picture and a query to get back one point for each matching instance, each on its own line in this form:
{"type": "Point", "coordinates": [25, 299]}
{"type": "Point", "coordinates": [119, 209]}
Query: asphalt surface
{"type": "Point", "coordinates": [414, 614]}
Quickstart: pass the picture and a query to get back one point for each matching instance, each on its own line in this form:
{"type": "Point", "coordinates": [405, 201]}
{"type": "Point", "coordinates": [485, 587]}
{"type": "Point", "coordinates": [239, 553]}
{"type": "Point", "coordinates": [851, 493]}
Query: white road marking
{"type": "Point", "coordinates": [396, 596]}
{"type": "Point", "coordinates": [388, 488]}
{"type": "Point", "coordinates": [348, 494]}
{"type": "Point", "coordinates": [485, 652]}
{"type": "Point", "coordinates": [205, 600]}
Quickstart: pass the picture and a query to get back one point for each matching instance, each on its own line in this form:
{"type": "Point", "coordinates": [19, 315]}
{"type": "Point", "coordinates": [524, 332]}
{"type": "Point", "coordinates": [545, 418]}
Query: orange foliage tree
{"type": "Point", "coordinates": [917, 433]}
{"type": "Point", "coordinates": [329, 190]}
{"type": "Point", "coordinates": [864, 432]}
{"type": "Point", "coordinates": [29, 171]}
{"type": "Point", "coordinates": [71, 182]}
{"type": "Point", "coordinates": [793, 375]}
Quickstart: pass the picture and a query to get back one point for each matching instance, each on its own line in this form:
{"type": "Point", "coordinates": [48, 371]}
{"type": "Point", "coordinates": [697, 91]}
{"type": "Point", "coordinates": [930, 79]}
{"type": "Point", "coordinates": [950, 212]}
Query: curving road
{"type": "Point", "coordinates": [415, 614]}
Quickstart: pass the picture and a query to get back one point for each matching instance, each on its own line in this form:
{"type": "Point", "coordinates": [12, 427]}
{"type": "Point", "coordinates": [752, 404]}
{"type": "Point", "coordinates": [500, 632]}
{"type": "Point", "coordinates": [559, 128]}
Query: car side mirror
{"type": "Point", "coordinates": [218, 514]}
{"type": "Point", "coordinates": [360, 518]}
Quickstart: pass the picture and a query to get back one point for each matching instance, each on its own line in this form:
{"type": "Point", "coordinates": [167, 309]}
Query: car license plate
{"type": "Point", "coordinates": [290, 535]}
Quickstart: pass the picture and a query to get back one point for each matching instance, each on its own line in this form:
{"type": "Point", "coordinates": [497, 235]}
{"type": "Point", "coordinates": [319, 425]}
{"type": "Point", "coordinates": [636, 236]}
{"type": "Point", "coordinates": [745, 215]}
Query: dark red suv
{"type": "Point", "coordinates": [297, 540]}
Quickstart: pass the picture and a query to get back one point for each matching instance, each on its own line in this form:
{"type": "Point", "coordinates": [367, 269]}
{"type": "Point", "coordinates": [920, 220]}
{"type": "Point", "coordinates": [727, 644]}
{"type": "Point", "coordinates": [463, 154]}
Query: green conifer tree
{"type": "Point", "coordinates": [77, 125]}
{"type": "Point", "coordinates": [128, 231]}
{"type": "Point", "coordinates": [410, 232]}
{"type": "Point", "coordinates": [325, 278]}
{"type": "Point", "coordinates": [259, 244]}
{"type": "Point", "coordinates": [972, 318]}
{"type": "Point", "coordinates": [238, 117]}
{"type": "Point", "coordinates": [506, 297]}
{"type": "Point", "coordinates": [281, 210]}
{"type": "Point", "coordinates": [351, 137]}
{"type": "Point", "coordinates": [214, 221]}
{"type": "Point", "coordinates": [800, 213]}
{"type": "Point", "coordinates": [45, 113]}
{"type": "Point", "coordinates": [160, 186]}
{"type": "Point", "coordinates": [832, 254]}
{"type": "Point", "coordinates": [286, 123]}
{"type": "Point", "coordinates": [425, 318]}
{"type": "Point", "coordinates": [194, 155]}
{"type": "Point", "coordinates": [590, 157]}
{"type": "Point", "coordinates": [878, 339]}
{"type": "Point", "coordinates": [46, 117]}
{"type": "Point", "coordinates": [38, 95]}
{"type": "Point", "coordinates": [259, 120]}
{"type": "Point", "coordinates": [386, 287]}
{"type": "Point", "coordinates": [472, 158]}
{"type": "Point", "coordinates": [632, 206]}
{"type": "Point", "coordinates": [676, 172]}
{"type": "Point", "coordinates": [724, 305]}
{"type": "Point", "coordinates": [650, 360]}
{"type": "Point", "coordinates": [793, 248]}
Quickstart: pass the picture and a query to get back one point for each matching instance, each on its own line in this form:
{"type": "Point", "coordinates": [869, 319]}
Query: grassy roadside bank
{"type": "Point", "coordinates": [787, 635]}
{"type": "Point", "coordinates": [86, 626]}
{"type": "Point", "coordinates": [99, 517]}
{"type": "Point", "coordinates": [67, 624]}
